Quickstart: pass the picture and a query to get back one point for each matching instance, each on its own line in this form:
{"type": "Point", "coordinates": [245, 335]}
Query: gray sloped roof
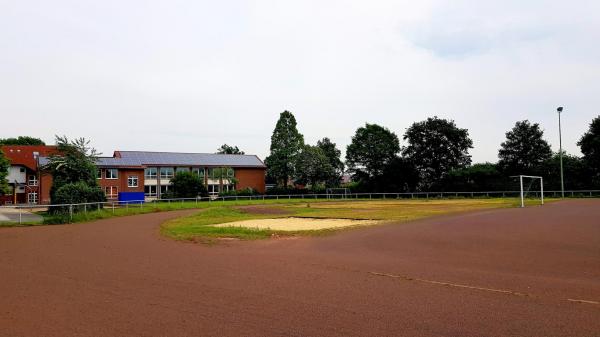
{"type": "Point", "coordinates": [144, 158]}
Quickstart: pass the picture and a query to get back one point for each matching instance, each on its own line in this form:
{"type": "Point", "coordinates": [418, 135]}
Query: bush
{"type": "Point", "coordinates": [77, 193]}
{"type": "Point", "coordinates": [187, 185]}
{"type": "Point", "coordinates": [248, 191]}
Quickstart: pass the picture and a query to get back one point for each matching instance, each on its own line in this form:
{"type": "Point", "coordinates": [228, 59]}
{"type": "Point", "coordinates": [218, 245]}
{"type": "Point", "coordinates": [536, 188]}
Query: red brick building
{"type": "Point", "coordinates": [26, 183]}
{"type": "Point", "coordinates": [134, 175]}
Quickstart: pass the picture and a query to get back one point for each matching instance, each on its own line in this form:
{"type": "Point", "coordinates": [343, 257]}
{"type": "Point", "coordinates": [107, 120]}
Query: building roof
{"type": "Point", "coordinates": [25, 155]}
{"type": "Point", "coordinates": [145, 158]}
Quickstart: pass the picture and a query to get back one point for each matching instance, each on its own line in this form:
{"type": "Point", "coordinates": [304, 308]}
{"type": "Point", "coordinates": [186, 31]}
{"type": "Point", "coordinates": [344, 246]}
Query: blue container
{"type": "Point", "coordinates": [131, 197]}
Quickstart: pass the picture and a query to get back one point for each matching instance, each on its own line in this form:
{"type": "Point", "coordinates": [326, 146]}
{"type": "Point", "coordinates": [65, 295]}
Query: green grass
{"type": "Point", "coordinates": [198, 226]}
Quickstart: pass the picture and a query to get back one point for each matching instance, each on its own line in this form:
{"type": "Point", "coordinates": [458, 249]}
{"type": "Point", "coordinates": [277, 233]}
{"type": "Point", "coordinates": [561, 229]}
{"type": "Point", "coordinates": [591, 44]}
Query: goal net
{"type": "Point", "coordinates": [530, 187]}
{"type": "Point", "coordinates": [341, 193]}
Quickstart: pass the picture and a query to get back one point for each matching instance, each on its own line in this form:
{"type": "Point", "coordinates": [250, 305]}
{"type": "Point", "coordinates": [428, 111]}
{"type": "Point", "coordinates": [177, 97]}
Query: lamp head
{"type": "Point", "coordinates": [559, 109]}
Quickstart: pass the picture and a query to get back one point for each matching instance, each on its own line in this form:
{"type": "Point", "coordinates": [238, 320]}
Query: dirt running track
{"type": "Point", "coordinates": [505, 272]}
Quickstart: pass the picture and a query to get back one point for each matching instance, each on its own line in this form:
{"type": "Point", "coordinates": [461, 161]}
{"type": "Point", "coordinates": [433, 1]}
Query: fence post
{"type": "Point", "coordinates": [113, 207]}
{"type": "Point", "coordinates": [71, 212]}
{"type": "Point", "coordinates": [85, 209]}
{"type": "Point", "coordinates": [20, 215]}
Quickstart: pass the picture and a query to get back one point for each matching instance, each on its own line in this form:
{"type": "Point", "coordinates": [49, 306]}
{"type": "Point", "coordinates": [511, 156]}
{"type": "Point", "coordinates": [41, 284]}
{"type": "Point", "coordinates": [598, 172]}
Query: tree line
{"type": "Point", "coordinates": [435, 158]}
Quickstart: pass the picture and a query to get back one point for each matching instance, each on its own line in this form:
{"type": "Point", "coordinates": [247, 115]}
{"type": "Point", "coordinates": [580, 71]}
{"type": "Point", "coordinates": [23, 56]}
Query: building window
{"type": "Point", "coordinates": [22, 170]}
{"type": "Point", "coordinates": [132, 181]}
{"type": "Point", "coordinates": [199, 171]}
{"type": "Point", "coordinates": [150, 173]}
{"type": "Point", "coordinates": [213, 189]}
{"type": "Point", "coordinates": [166, 172]}
{"type": "Point", "coordinates": [164, 189]}
{"type": "Point", "coordinates": [32, 198]}
{"type": "Point", "coordinates": [150, 190]}
{"type": "Point", "coordinates": [182, 169]}
{"type": "Point", "coordinates": [111, 192]}
{"type": "Point", "coordinates": [230, 173]}
{"type": "Point", "coordinates": [99, 174]}
{"type": "Point", "coordinates": [33, 181]}
{"type": "Point", "coordinates": [112, 174]}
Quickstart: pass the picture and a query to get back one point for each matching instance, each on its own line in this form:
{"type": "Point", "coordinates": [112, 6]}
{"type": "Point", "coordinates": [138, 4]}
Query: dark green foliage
{"type": "Point", "coordinates": [248, 191]}
{"type": "Point", "coordinates": [476, 178]}
{"type": "Point", "coordinates": [4, 165]}
{"type": "Point", "coordinates": [22, 140]}
{"type": "Point", "coordinates": [590, 147]}
{"type": "Point", "coordinates": [187, 185]}
{"type": "Point", "coordinates": [228, 149]}
{"type": "Point", "coordinates": [524, 149]}
{"type": "Point", "coordinates": [399, 175]}
{"type": "Point", "coordinates": [371, 149]}
{"type": "Point", "coordinates": [577, 174]}
{"type": "Point", "coordinates": [333, 154]}
{"type": "Point", "coordinates": [79, 192]}
{"type": "Point", "coordinates": [437, 146]}
{"type": "Point", "coordinates": [286, 144]}
{"type": "Point", "coordinates": [76, 163]}
{"type": "Point", "coordinates": [313, 166]}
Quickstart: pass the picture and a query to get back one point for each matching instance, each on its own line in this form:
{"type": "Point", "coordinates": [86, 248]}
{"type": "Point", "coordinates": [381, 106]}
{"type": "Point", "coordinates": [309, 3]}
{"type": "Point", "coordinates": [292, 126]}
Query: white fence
{"type": "Point", "coordinates": [20, 213]}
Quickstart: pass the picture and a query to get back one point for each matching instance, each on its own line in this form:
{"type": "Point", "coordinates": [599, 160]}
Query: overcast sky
{"type": "Point", "coordinates": [191, 75]}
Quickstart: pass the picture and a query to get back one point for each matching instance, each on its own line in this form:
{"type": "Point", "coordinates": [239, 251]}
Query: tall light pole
{"type": "Point", "coordinates": [560, 153]}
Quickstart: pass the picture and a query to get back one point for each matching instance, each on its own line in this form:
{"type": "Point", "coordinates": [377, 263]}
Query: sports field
{"type": "Point", "coordinates": [483, 271]}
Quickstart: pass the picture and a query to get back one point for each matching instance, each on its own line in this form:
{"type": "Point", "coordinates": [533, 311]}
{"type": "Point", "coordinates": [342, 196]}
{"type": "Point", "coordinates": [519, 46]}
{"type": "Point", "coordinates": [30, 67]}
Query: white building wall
{"type": "Point", "coordinates": [15, 174]}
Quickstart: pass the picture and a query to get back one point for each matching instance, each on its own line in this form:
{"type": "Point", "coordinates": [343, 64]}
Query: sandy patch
{"type": "Point", "coordinates": [298, 224]}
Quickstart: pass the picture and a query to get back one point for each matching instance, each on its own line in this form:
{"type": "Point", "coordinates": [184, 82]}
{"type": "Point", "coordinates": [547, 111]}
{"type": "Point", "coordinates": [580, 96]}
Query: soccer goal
{"type": "Point", "coordinates": [528, 187]}
{"type": "Point", "coordinates": [341, 193]}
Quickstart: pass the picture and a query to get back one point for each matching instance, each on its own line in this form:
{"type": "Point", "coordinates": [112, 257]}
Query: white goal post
{"type": "Point", "coordinates": [523, 190]}
{"type": "Point", "coordinates": [342, 192]}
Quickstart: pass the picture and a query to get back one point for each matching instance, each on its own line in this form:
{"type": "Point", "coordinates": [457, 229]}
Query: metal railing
{"type": "Point", "coordinates": [21, 213]}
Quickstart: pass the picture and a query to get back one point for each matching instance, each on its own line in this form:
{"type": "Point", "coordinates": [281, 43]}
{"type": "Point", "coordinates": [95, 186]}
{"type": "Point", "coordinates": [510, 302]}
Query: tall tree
{"type": "Point", "coordinates": [590, 146]}
{"type": "Point", "coordinates": [229, 149]}
{"type": "Point", "coordinates": [313, 167]}
{"type": "Point", "coordinates": [333, 154]}
{"type": "Point", "coordinates": [436, 146]}
{"type": "Point", "coordinates": [75, 164]}
{"type": "Point", "coordinates": [524, 149]}
{"type": "Point", "coordinates": [22, 140]}
{"type": "Point", "coordinates": [371, 149]}
{"type": "Point", "coordinates": [4, 165]}
{"type": "Point", "coordinates": [286, 144]}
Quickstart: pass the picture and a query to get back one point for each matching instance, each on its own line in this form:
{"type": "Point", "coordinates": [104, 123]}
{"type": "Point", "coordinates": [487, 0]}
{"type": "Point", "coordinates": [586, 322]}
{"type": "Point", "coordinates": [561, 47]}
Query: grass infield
{"type": "Point", "coordinates": [198, 227]}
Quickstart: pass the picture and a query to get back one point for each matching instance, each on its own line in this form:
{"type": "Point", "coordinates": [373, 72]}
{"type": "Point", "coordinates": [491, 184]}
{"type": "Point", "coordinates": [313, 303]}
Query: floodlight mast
{"type": "Point", "coordinates": [562, 181]}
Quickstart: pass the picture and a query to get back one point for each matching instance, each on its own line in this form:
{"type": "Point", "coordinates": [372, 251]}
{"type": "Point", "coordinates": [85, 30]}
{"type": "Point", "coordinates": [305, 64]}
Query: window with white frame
{"type": "Point", "coordinates": [198, 171]}
{"type": "Point", "coordinates": [33, 180]}
{"type": "Point", "coordinates": [213, 189]}
{"type": "Point", "coordinates": [32, 198]}
{"type": "Point", "coordinates": [182, 169]}
{"type": "Point", "coordinates": [164, 189]}
{"type": "Point", "coordinates": [112, 173]}
{"type": "Point", "coordinates": [166, 172]}
{"type": "Point", "coordinates": [150, 190]}
{"type": "Point", "coordinates": [111, 192]}
{"type": "Point", "coordinates": [150, 173]}
{"type": "Point", "coordinates": [132, 181]}
{"type": "Point", "coordinates": [99, 174]}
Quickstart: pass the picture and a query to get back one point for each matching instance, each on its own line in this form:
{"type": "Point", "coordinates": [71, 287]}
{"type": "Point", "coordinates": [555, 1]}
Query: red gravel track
{"type": "Point", "coordinates": [435, 277]}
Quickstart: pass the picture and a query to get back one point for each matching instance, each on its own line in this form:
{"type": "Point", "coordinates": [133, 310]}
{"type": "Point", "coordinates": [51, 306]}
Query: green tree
{"type": "Point", "coordinates": [371, 149]}
{"type": "Point", "coordinates": [333, 154]}
{"type": "Point", "coordinates": [578, 175]}
{"type": "Point", "coordinates": [229, 149]}
{"type": "Point", "coordinates": [22, 140]}
{"type": "Point", "coordinates": [477, 177]}
{"type": "Point", "coordinates": [187, 185]}
{"type": "Point", "coordinates": [436, 146]}
{"type": "Point", "coordinates": [286, 144]}
{"type": "Point", "coordinates": [524, 149]}
{"type": "Point", "coordinates": [313, 167]}
{"type": "Point", "coordinates": [4, 165]}
{"type": "Point", "coordinates": [590, 147]}
{"type": "Point", "coordinates": [75, 163]}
